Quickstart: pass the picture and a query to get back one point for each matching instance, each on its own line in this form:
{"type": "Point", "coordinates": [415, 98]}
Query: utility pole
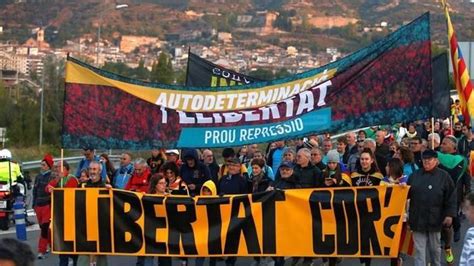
{"type": "Point", "coordinates": [41, 110]}
{"type": "Point", "coordinates": [101, 18]}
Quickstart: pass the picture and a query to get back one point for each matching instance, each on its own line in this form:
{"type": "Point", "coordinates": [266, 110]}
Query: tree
{"type": "Point", "coordinates": [53, 100]}
{"type": "Point", "coordinates": [282, 73]}
{"type": "Point", "coordinates": [263, 74]}
{"type": "Point", "coordinates": [162, 71]}
{"type": "Point", "coordinates": [180, 76]}
{"type": "Point", "coordinates": [141, 72]}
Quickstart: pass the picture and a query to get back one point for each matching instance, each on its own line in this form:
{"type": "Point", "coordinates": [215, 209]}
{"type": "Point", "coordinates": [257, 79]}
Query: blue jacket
{"type": "Point", "coordinates": [197, 175]}
{"type": "Point", "coordinates": [122, 176]}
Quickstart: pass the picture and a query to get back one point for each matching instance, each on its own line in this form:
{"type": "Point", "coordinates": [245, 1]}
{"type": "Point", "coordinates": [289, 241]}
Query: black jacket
{"type": "Point", "coordinates": [98, 184]}
{"type": "Point", "coordinates": [232, 184]}
{"type": "Point", "coordinates": [465, 146]}
{"type": "Point", "coordinates": [308, 177]}
{"type": "Point", "coordinates": [197, 175]}
{"type": "Point", "coordinates": [287, 183]}
{"type": "Point", "coordinates": [432, 197]}
{"type": "Point", "coordinates": [40, 196]}
{"type": "Point", "coordinates": [258, 183]}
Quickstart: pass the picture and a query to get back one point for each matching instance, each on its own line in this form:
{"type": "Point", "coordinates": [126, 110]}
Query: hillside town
{"type": "Point", "coordinates": [26, 59]}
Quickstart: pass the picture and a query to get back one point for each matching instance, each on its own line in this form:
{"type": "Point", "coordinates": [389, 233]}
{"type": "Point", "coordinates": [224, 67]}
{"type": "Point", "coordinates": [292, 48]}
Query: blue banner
{"type": "Point", "coordinates": [221, 136]}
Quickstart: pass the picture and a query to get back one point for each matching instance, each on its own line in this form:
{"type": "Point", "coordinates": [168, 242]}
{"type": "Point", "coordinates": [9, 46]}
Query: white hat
{"type": "Point", "coordinates": [175, 151]}
{"type": "Point", "coordinates": [5, 154]}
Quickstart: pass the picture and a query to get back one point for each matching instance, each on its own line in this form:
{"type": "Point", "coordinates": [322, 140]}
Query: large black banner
{"type": "Point", "coordinates": [202, 73]}
{"type": "Point", "coordinates": [441, 104]}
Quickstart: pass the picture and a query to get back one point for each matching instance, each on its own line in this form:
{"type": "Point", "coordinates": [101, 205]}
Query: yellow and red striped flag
{"type": "Point", "coordinates": [461, 77]}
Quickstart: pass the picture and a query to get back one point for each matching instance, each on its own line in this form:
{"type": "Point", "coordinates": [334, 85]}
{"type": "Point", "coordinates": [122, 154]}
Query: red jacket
{"type": "Point", "coordinates": [67, 181]}
{"type": "Point", "coordinates": [139, 182]}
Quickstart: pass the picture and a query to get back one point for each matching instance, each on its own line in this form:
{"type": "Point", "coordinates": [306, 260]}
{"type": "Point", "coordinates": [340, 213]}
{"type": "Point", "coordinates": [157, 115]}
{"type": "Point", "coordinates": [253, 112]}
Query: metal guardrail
{"type": "Point", "coordinates": [71, 160]}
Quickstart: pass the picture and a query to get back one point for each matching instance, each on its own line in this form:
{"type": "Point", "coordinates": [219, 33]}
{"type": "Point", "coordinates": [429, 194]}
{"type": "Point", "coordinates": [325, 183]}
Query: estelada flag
{"type": "Point", "coordinates": [461, 77]}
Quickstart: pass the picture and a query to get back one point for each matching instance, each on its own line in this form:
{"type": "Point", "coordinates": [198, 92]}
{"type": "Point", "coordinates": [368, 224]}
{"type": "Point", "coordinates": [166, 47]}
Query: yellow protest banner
{"type": "Point", "coordinates": [217, 99]}
{"type": "Point", "coordinates": [346, 222]}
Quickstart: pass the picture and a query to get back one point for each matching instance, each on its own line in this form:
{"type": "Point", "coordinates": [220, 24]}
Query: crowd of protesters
{"type": "Point", "coordinates": [432, 159]}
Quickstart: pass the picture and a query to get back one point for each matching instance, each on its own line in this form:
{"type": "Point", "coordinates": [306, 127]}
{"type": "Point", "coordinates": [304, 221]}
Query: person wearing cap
{"type": "Point", "coordinates": [432, 205]}
{"type": "Point", "coordinates": [89, 156]}
{"type": "Point", "coordinates": [289, 155]}
{"type": "Point", "coordinates": [287, 180]}
{"type": "Point", "coordinates": [456, 166]}
{"type": "Point", "coordinates": [229, 154]}
{"type": "Point", "coordinates": [10, 171]}
{"type": "Point", "coordinates": [172, 155]}
{"type": "Point", "coordinates": [232, 183]}
{"type": "Point", "coordinates": [42, 203]}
